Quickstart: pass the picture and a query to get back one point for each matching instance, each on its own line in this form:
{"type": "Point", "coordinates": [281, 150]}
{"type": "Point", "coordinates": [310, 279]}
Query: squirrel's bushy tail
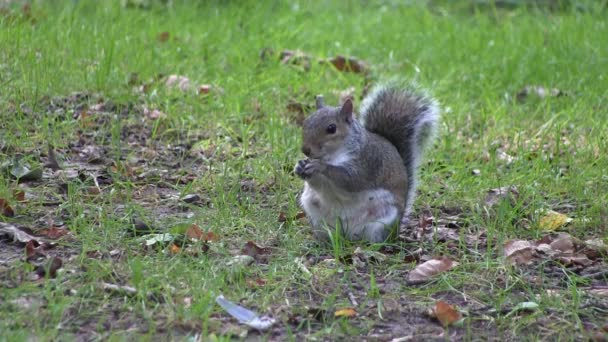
{"type": "Point", "coordinates": [408, 119]}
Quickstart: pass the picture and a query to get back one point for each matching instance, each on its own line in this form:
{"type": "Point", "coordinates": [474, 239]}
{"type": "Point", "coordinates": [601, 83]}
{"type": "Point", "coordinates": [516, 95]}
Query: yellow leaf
{"type": "Point", "coordinates": [346, 312]}
{"type": "Point", "coordinates": [553, 220]}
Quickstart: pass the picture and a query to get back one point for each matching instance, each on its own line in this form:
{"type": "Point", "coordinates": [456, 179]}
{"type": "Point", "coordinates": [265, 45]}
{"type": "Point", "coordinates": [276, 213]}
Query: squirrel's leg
{"type": "Point", "coordinates": [380, 229]}
{"type": "Point", "coordinates": [316, 212]}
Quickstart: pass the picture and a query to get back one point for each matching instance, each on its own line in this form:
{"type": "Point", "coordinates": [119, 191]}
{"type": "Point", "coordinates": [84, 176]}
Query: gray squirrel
{"type": "Point", "coordinates": [360, 175]}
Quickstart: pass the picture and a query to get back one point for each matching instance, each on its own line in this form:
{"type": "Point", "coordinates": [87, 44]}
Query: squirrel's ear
{"type": "Point", "coordinates": [347, 110]}
{"type": "Point", "coordinates": [319, 101]}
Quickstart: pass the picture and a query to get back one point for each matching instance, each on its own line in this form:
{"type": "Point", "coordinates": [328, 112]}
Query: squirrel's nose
{"type": "Point", "coordinates": [306, 150]}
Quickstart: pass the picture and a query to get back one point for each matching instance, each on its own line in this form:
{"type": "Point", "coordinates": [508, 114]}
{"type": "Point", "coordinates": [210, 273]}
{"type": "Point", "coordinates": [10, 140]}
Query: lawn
{"type": "Point", "coordinates": [146, 167]}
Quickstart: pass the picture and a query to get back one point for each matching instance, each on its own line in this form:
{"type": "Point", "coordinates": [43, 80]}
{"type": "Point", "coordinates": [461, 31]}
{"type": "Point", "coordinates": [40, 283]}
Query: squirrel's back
{"type": "Point", "coordinates": [407, 118]}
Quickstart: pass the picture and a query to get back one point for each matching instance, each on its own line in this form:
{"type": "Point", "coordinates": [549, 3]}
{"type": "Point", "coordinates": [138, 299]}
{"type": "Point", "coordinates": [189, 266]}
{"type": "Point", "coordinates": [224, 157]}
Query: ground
{"type": "Point", "coordinates": [146, 158]}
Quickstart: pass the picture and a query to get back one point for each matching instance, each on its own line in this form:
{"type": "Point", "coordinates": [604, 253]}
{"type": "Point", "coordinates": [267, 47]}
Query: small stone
{"type": "Point", "coordinates": [476, 172]}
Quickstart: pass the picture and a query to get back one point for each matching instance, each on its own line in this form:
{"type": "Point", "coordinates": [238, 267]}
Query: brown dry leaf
{"type": "Point", "coordinates": [5, 208]}
{"type": "Point", "coordinates": [431, 268]}
{"type": "Point", "coordinates": [445, 313]}
{"type": "Point", "coordinates": [174, 249]}
{"type": "Point", "coordinates": [194, 232]}
{"type": "Point", "coordinates": [346, 312]}
{"type": "Point", "coordinates": [54, 232]}
{"type": "Point", "coordinates": [163, 36]}
{"type": "Point", "coordinates": [282, 217]}
{"type": "Point", "coordinates": [300, 215]}
{"type": "Point", "coordinates": [519, 252]}
{"type": "Point", "coordinates": [574, 260]}
{"type": "Point", "coordinates": [254, 250]}
{"type": "Point", "coordinates": [348, 64]}
{"type": "Point", "coordinates": [563, 243]}
{"type": "Point", "coordinates": [204, 89]}
{"type": "Point", "coordinates": [19, 195]}
{"type": "Point", "coordinates": [50, 268]}
{"type": "Point", "coordinates": [30, 249]}
{"type": "Point", "coordinates": [552, 220]}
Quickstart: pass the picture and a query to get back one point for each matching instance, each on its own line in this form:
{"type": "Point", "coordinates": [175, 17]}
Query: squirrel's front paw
{"type": "Point", "coordinates": [307, 168]}
{"type": "Point", "coordinates": [299, 169]}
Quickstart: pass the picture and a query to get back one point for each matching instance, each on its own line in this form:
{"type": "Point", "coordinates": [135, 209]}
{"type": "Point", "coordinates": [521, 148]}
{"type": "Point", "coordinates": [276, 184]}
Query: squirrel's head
{"type": "Point", "coordinates": [325, 130]}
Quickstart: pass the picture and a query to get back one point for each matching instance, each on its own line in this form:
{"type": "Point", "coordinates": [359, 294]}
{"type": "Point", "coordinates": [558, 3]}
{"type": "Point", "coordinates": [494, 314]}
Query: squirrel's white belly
{"type": "Point", "coordinates": [363, 215]}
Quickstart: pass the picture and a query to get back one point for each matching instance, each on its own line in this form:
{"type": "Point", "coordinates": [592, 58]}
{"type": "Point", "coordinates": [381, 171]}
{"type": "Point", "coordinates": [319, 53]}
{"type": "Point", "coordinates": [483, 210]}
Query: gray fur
{"type": "Point", "coordinates": [408, 119]}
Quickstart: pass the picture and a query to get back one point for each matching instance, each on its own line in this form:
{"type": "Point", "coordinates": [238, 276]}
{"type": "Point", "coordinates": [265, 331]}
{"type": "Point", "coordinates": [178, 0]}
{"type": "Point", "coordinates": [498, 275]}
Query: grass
{"type": "Point", "coordinates": [473, 59]}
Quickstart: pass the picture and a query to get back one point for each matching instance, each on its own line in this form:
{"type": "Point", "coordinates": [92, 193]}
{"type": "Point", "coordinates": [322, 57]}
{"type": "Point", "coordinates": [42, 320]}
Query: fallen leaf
{"type": "Point", "coordinates": [23, 173]}
{"type": "Point", "coordinates": [553, 220]}
{"type": "Point", "coordinates": [254, 250]}
{"type": "Point", "coordinates": [16, 233]}
{"type": "Point", "coordinates": [163, 36]}
{"type": "Point", "coordinates": [174, 249]}
{"type": "Point", "coordinates": [204, 89]}
{"type": "Point", "coordinates": [30, 249]}
{"type": "Point", "coordinates": [282, 217]}
{"type": "Point", "coordinates": [54, 232]}
{"type": "Point", "coordinates": [575, 259]}
{"type": "Point", "coordinates": [519, 252]}
{"type": "Point", "coordinates": [19, 195]}
{"type": "Point", "coordinates": [430, 268]}
{"type": "Point", "coordinates": [258, 282]}
{"type": "Point", "coordinates": [5, 208]}
{"type": "Point", "coordinates": [563, 243]}
{"type": "Point", "coordinates": [346, 312]}
{"type": "Point", "coordinates": [194, 232]}
{"type": "Point", "coordinates": [347, 64]}
{"type": "Point", "coordinates": [445, 313]}
{"type": "Point", "coordinates": [50, 268]}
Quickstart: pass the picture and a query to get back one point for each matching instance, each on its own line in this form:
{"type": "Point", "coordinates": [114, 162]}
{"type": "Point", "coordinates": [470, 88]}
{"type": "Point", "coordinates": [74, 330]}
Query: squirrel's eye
{"type": "Point", "coordinates": [331, 129]}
